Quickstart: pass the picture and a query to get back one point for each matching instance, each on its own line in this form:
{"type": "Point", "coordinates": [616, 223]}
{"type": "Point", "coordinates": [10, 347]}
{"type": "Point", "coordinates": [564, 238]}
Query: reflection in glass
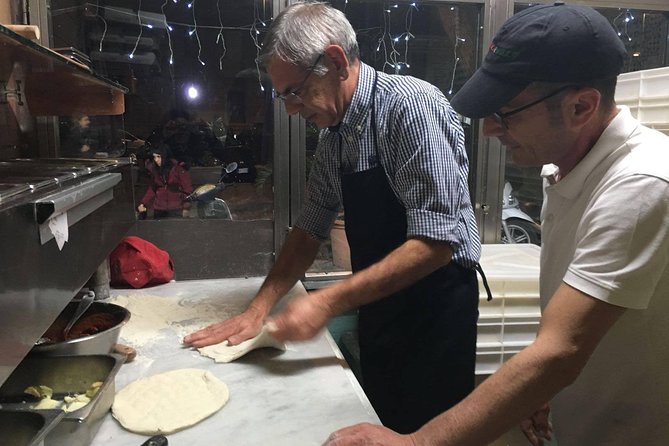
{"type": "Point", "coordinates": [193, 86]}
{"type": "Point", "coordinates": [84, 136]}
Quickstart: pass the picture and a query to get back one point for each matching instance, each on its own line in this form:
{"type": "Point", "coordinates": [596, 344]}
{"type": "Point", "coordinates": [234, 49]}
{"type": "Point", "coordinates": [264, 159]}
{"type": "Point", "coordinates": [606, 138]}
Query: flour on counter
{"type": "Point", "coordinates": [154, 317]}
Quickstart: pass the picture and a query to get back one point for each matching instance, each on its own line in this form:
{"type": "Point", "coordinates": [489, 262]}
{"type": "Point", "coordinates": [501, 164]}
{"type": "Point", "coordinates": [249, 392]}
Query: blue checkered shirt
{"type": "Point", "coordinates": [422, 151]}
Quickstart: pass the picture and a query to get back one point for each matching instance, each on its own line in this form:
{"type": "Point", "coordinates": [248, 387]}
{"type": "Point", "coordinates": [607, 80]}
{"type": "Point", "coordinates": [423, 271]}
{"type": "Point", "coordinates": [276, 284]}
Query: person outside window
{"type": "Point", "coordinates": [170, 185]}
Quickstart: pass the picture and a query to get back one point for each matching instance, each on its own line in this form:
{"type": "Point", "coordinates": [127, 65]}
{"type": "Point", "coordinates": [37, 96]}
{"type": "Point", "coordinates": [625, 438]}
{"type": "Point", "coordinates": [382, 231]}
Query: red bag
{"type": "Point", "coordinates": [139, 263]}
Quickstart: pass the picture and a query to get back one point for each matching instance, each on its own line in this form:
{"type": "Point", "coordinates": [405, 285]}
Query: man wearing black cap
{"type": "Point", "coordinates": [546, 91]}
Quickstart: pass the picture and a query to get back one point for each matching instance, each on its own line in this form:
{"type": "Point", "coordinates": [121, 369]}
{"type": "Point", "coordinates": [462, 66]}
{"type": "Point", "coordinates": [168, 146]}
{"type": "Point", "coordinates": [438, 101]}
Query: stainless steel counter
{"type": "Point", "coordinates": [88, 203]}
{"type": "Point", "coordinates": [294, 398]}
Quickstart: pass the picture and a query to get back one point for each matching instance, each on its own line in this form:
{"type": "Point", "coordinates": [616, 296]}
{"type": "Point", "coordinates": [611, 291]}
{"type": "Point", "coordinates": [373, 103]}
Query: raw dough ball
{"type": "Point", "coordinates": [224, 353]}
{"type": "Point", "coordinates": [169, 402]}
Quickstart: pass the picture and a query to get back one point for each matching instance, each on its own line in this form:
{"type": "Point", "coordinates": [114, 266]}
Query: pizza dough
{"type": "Point", "coordinates": [169, 402]}
{"type": "Point", "coordinates": [224, 353]}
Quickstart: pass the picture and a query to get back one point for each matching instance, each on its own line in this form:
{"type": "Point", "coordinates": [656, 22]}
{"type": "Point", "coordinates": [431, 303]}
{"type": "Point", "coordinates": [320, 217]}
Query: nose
{"type": "Point", "coordinates": [492, 127]}
{"type": "Point", "coordinates": [292, 107]}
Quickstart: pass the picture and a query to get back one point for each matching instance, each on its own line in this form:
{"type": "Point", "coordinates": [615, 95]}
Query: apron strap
{"type": "Point", "coordinates": [478, 268]}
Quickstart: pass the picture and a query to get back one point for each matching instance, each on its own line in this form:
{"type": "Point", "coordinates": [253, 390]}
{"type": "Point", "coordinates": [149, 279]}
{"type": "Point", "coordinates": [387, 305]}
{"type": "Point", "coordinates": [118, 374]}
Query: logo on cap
{"type": "Point", "coordinates": [503, 53]}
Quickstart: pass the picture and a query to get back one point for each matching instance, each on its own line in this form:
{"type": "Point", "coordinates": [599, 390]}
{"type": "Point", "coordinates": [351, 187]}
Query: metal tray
{"type": "Point", "coordinates": [65, 374]}
{"type": "Point", "coordinates": [27, 428]}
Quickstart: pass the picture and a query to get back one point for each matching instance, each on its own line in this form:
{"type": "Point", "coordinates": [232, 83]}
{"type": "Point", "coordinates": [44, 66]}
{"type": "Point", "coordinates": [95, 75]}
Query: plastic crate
{"type": "Point", "coordinates": [646, 93]}
{"type": "Point", "coordinates": [489, 359]}
{"type": "Point", "coordinates": [509, 322]}
{"type": "Point", "coordinates": [498, 332]}
{"type": "Point", "coordinates": [513, 275]}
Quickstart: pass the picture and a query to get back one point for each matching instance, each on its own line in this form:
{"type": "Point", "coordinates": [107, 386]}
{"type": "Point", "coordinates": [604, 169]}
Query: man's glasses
{"type": "Point", "coordinates": [292, 97]}
{"type": "Point", "coordinates": [502, 117]}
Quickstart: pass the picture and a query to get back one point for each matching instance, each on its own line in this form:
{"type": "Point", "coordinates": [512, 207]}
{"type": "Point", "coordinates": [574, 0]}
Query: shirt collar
{"type": "Point", "coordinates": [613, 138]}
{"type": "Point", "coordinates": [361, 103]}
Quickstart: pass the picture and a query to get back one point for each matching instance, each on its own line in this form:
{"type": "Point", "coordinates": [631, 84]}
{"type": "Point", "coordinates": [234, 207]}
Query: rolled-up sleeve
{"type": "Point", "coordinates": [431, 168]}
{"type": "Point", "coordinates": [321, 204]}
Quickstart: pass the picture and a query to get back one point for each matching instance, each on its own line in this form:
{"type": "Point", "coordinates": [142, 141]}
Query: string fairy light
{"type": "Point", "coordinates": [168, 29]}
{"type": "Point", "coordinates": [220, 36]}
{"type": "Point", "coordinates": [139, 36]}
{"type": "Point", "coordinates": [623, 19]}
{"type": "Point", "coordinates": [197, 35]}
{"type": "Point", "coordinates": [458, 39]}
{"type": "Point", "coordinates": [408, 20]}
{"type": "Point", "coordinates": [97, 14]}
{"type": "Point", "coordinates": [391, 58]}
{"type": "Point", "coordinates": [191, 29]}
{"type": "Point", "coordinates": [254, 37]}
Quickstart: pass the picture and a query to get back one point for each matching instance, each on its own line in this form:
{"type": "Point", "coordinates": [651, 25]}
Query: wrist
{"type": "Point", "coordinates": [258, 310]}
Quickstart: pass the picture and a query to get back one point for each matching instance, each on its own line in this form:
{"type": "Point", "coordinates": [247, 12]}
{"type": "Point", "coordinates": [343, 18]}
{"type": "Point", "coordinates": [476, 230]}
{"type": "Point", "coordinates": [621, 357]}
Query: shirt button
{"type": "Point", "coordinates": [359, 129]}
{"type": "Point", "coordinates": [349, 138]}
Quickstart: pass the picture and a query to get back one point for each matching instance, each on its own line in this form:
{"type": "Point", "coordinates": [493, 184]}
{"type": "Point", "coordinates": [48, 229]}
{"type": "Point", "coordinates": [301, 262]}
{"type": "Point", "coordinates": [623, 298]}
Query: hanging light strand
{"type": "Point", "coordinates": [254, 37]}
{"type": "Point", "coordinates": [168, 29]}
{"type": "Point", "coordinates": [458, 39]}
{"type": "Point", "coordinates": [621, 22]}
{"type": "Point", "coordinates": [197, 35]}
{"type": "Point", "coordinates": [104, 22]}
{"type": "Point", "coordinates": [392, 58]}
{"type": "Point", "coordinates": [220, 38]}
{"type": "Point", "coordinates": [408, 20]}
{"type": "Point", "coordinates": [139, 36]}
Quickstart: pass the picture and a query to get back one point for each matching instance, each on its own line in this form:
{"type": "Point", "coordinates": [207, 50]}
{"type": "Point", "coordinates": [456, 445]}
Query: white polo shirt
{"type": "Point", "coordinates": [605, 232]}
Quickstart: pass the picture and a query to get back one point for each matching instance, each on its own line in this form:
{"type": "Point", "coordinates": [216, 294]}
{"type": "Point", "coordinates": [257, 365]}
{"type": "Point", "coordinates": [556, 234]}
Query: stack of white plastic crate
{"type": "Point", "coordinates": [508, 322]}
{"type": "Point", "coordinates": [646, 93]}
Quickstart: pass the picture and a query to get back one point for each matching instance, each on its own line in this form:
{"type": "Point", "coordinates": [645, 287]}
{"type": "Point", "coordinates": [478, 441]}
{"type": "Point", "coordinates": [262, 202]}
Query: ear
{"type": "Point", "coordinates": [584, 105]}
{"type": "Point", "coordinates": [338, 60]}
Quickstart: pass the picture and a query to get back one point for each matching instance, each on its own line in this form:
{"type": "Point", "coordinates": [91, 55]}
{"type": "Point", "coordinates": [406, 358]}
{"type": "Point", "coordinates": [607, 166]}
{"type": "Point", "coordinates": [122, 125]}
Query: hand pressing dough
{"type": "Point", "coordinates": [224, 353]}
{"type": "Point", "coordinates": [169, 402]}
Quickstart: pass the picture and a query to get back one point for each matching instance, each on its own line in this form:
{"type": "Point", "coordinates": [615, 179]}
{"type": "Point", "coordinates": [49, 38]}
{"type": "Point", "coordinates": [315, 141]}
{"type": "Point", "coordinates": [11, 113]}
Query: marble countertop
{"type": "Point", "coordinates": [297, 397]}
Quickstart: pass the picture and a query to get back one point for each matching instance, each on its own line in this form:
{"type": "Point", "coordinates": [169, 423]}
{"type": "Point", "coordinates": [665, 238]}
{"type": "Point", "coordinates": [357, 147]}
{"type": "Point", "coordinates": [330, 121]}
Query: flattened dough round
{"type": "Point", "coordinates": [170, 401]}
{"type": "Point", "coordinates": [226, 353]}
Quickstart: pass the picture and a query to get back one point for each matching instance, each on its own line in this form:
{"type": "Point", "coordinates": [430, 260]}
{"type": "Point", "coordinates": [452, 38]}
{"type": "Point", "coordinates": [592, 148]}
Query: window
{"type": "Point", "coordinates": [190, 68]}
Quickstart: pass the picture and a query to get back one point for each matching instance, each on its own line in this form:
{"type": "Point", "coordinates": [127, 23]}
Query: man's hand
{"type": "Point", "coordinates": [366, 434]}
{"type": "Point", "coordinates": [235, 330]}
{"type": "Point", "coordinates": [538, 428]}
{"type": "Point", "coordinates": [302, 318]}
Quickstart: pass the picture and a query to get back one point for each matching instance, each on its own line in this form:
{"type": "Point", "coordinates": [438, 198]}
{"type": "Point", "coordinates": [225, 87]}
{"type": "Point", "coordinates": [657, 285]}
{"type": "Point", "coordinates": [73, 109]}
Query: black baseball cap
{"type": "Point", "coordinates": [544, 43]}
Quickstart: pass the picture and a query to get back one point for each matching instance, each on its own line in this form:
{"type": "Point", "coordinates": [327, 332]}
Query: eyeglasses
{"type": "Point", "coordinates": [501, 117]}
{"type": "Point", "coordinates": [292, 97]}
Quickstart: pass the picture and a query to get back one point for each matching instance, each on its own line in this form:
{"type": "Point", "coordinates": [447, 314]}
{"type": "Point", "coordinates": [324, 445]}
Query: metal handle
{"type": "Point", "coordinates": [78, 201]}
{"type": "Point", "coordinates": [156, 440]}
{"type": "Point", "coordinates": [69, 198]}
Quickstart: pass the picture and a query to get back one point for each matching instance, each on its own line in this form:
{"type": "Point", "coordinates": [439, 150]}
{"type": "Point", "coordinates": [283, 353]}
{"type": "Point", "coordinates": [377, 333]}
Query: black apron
{"type": "Point", "coordinates": [417, 346]}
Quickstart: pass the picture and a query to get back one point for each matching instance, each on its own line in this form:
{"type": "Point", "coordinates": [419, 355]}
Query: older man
{"type": "Point", "coordinates": [392, 153]}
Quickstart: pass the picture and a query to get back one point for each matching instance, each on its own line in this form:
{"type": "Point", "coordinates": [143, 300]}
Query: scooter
{"type": "Point", "coordinates": [207, 203]}
{"type": "Point", "coordinates": [517, 226]}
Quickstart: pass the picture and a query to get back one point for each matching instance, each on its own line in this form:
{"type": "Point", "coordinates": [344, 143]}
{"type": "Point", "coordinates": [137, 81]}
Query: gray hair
{"type": "Point", "coordinates": [300, 33]}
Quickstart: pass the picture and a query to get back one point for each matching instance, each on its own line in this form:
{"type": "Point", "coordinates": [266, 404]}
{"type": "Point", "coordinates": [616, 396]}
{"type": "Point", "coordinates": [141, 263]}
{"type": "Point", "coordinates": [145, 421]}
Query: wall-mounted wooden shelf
{"type": "Point", "coordinates": [36, 81]}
